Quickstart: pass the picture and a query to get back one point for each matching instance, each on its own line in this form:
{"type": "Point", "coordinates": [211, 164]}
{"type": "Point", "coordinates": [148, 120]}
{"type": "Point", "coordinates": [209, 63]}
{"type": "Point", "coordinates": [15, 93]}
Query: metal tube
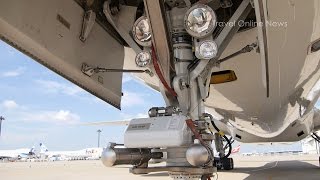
{"type": "Point", "coordinates": [132, 156]}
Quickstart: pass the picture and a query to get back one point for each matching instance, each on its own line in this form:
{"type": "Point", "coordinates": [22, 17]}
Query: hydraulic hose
{"type": "Point", "coordinates": [315, 138]}
{"type": "Point", "coordinates": [221, 134]}
{"type": "Point", "coordinates": [159, 73]}
{"type": "Point", "coordinates": [230, 146]}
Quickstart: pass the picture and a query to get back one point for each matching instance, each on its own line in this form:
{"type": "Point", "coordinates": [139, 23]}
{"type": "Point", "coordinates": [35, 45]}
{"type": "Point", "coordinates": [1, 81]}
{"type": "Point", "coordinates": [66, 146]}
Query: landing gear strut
{"type": "Point", "coordinates": [180, 136]}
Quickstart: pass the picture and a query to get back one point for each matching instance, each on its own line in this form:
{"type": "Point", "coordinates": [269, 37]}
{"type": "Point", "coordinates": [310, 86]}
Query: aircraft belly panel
{"type": "Point", "coordinates": [294, 72]}
{"type": "Point", "coordinates": [48, 31]}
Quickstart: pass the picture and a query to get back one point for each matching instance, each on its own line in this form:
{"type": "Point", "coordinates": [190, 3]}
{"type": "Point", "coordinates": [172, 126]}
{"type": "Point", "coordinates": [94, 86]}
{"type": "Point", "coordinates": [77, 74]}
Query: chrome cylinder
{"type": "Point", "coordinates": [121, 156]}
{"type": "Point", "coordinates": [197, 155]}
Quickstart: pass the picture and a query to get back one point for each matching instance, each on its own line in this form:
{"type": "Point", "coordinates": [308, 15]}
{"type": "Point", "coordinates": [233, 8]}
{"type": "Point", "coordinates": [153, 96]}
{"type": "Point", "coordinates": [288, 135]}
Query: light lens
{"type": "Point", "coordinates": [208, 50]}
{"type": "Point", "coordinates": [142, 31]}
{"type": "Point", "coordinates": [200, 21]}
{"type": "Point", "coordinates": [143, 59]}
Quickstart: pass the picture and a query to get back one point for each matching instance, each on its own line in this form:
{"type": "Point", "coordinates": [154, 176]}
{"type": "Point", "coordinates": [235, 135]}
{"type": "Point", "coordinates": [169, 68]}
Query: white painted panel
{"type": "Point", "coordinates": [33, 27]}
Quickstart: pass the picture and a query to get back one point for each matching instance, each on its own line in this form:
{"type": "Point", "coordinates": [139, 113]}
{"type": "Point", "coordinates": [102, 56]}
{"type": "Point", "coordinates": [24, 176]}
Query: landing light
{"type": "Point", "coordinates": [142, 32]}
{"type": "Point", "coordinates": [208, 50]}
{"type": "Point", "coordinates": [200, 21]}
{"type": "Point", "coordinates": [143, 59]}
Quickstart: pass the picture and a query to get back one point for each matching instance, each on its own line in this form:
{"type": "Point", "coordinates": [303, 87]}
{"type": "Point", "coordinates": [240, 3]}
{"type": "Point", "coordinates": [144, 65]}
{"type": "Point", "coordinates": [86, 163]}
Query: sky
{"type": "Point", "coordinates": [42, 107]}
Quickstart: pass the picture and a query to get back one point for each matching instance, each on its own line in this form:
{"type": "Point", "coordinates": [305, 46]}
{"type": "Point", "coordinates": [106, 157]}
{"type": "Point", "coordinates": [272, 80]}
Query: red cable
{"type": "Point", "coordinates": [193, 128]}
{"type": "Point", "coordinates": [159, 73]}
{"type": "Point", "coordinates": [197, 135]}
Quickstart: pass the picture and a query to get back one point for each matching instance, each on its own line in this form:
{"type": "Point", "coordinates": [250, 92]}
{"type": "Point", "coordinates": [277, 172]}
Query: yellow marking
{"type": "Point", "coordinates": [221, 133]}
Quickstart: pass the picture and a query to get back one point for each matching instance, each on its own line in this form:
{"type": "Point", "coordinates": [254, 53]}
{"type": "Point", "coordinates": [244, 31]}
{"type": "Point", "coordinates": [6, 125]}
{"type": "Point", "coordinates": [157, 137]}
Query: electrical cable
{"type": "Point", "coordinates": [315, 138]}
{"type": "Point", "coordinates": [221, 134]}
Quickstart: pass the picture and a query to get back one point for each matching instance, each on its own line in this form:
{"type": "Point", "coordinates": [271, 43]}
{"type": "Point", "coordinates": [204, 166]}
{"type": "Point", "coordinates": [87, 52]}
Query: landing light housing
{"type": "Point", "coordinates": [208, 49]}
{"type": "Point", "coordinates": [143, 59]}
{"type": "Point", "coordinates": [200, 21]}
{"type": "Point", "coordinates": [142, 32]}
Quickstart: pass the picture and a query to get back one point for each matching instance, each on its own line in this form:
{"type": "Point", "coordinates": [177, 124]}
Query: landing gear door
{"type": "Point", "coordinates": [48, 31]}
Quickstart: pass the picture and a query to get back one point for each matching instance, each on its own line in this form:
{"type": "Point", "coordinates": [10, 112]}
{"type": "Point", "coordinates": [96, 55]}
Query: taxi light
{"type": "Point", "coordinates": [200, 21]}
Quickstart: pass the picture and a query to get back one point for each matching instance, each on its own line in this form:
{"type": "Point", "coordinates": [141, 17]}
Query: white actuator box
{"type": "Point", "coordinates": [158, 132]}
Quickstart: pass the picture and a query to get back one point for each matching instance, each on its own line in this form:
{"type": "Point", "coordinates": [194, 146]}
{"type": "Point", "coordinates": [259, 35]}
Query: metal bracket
{"type": "Point", "coordinates": [244, 50]}
{"type": "Point", "coordinates": [113, 16]}
{"type": "Point", "coordinates": [113, 145]}
{"type": "Point", "coordinates": [203, 88]}
{"type": "Point", "coordinates": [182, 170]}
{"type": "Point", "coordinates": [226, 3]}
{"type": "Point", "coordinates": [223, 39]}
{"type": "Point", "coordinates": [89, 19]}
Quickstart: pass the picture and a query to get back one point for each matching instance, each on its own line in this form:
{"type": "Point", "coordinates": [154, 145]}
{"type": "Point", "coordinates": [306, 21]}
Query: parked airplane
{"type": "Point", "coordinates": [17, 154]}
{"type": "Point", "coordinates": [84, 154]}
{"type": "Point", "coordinates": [248, 69]}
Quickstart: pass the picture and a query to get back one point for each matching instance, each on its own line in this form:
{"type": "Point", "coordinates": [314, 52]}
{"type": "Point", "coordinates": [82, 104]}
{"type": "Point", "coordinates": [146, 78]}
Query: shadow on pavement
{"type": "Point", "coordinates": [280, 170]}
{"type": "Point", "coordinates": [277, 170]}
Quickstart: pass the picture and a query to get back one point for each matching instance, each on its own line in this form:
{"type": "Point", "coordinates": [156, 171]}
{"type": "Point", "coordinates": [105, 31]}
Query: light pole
{"type": "Point", "coordinates": [1, 119]}
{"type": "Point", "coordinates": [99, 132]}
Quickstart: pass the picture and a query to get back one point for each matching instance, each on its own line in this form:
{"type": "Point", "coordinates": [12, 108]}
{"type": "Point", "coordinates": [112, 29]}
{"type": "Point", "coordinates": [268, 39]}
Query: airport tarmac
{"type": "Point", "coordinates": [248, 168]}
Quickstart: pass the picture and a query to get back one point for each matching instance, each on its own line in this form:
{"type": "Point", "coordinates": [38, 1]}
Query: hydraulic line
{"type": "Point", "coordinates": [221, 134]}
{"type": "Point", "coordinates": [315, 137]}
{"type": "Point", "coordinates": [230, 146]}
{"type": "Point", "coordinates": [159, 73]}
{"type": "Point", "coordinates": [227, 145]}
{"type": "Point", "coordinates": [197, 135]}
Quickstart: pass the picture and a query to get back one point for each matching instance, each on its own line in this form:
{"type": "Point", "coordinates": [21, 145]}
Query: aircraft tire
{"type": "Point", "coordinates": [227, 164]}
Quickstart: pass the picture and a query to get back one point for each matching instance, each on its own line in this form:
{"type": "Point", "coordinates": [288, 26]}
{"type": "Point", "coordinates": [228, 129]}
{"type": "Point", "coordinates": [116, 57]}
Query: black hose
{"type": "Point", "coordinates": [224, 136]}
{"type": "Point", "coordinates": [227, 145]}
{"type": "Point", "coordinates": [315, 138]}
{"type": "Point", "coordinates": [316, 135]}
{"type": "Point", "coordinates": [230, 146]}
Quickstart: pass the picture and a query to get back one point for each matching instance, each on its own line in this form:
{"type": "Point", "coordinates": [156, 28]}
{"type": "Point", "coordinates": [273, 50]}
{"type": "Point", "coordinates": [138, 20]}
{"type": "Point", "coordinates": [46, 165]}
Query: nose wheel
{"type": "Point", "coordinates": [224, 163]}
{"type": "Point", "coordinates": [205, 177]}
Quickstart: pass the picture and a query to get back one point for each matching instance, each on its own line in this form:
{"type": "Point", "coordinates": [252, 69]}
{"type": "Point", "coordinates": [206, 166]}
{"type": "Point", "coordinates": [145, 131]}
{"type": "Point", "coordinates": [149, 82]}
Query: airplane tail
{"type": "Point", "coordinates": [236, 150]}
{"type": "Point", "coordinates": [32, 151]}
{"type": "Point", "coordinates": [43, 148]}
